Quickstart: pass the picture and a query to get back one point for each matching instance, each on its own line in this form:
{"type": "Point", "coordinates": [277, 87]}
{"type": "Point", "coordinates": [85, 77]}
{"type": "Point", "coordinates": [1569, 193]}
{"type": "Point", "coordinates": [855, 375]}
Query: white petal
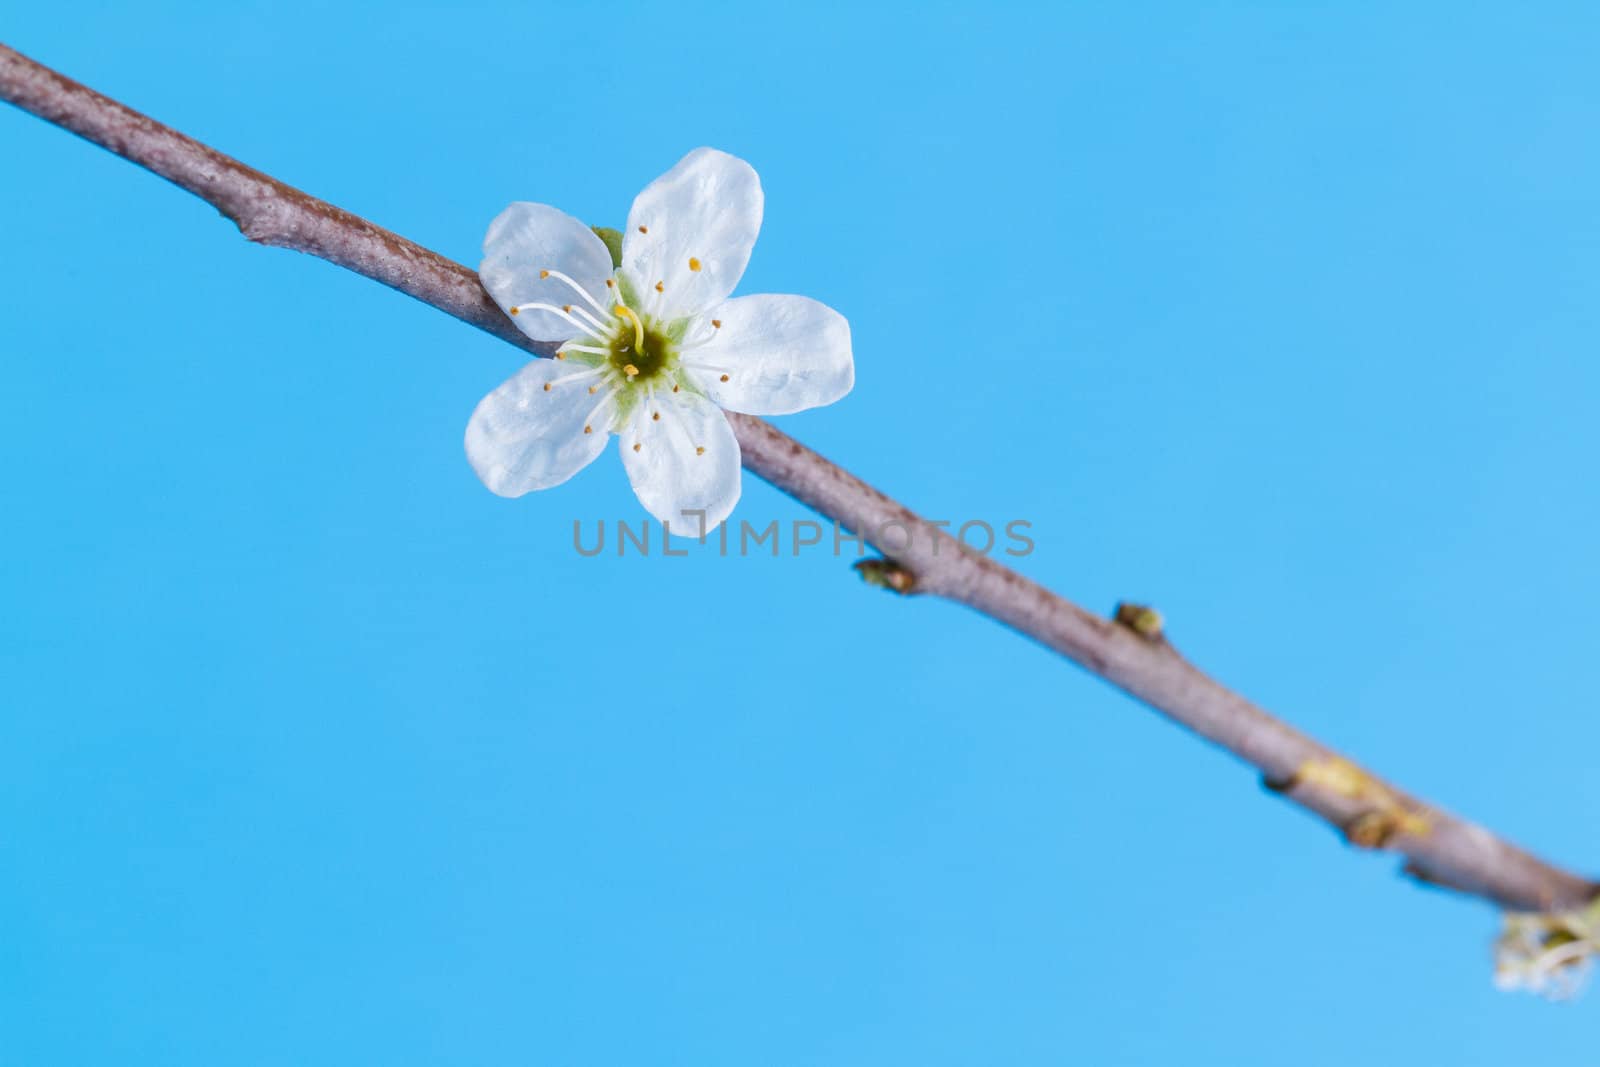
{"type": "Point", "coordinates": [687, 461]}
{"type": "Point", "coordinates": [522, 437]}
{"type": "Point", "coordinates": [525, 239]}
{"type": "Point", "coordinates": [780, 353]}
{"type": "Point", "coordinates": [706, 209]}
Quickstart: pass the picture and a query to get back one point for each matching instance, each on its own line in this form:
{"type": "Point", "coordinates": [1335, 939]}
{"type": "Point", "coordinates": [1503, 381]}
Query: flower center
{"type": "Point", "coordinates": [640, 348]}
{"type": "Point", "coordinates": [627, 355]}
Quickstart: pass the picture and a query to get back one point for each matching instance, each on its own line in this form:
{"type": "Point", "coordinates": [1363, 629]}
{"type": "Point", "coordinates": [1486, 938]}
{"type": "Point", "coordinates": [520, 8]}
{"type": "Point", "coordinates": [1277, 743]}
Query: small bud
{"type": "Point", "coordinates": [886, 574]}
{"type": "Point", "coordinates": [1144, 621]}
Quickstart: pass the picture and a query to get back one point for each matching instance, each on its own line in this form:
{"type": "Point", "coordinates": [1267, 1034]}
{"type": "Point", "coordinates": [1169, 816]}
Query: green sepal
{"type": "Point", "coordinates": [613, 240]}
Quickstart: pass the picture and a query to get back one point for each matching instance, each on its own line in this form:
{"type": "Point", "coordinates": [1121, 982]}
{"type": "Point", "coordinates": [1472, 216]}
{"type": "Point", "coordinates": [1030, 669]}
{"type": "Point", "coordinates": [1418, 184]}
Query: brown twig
{"type": "Point", "coordinates": [1439, 848]}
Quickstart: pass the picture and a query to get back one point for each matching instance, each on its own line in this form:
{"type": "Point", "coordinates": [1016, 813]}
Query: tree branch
{"type": "Point", "coordinates": [1127, 651]}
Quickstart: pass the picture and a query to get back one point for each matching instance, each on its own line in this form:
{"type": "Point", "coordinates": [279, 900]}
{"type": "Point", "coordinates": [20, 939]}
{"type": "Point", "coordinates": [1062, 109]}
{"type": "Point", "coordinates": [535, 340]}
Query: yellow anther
{"type": "Point", "coordinates": [567, 308]}
{"type": "Point", "coordinates": [644, 229]}
{"type": "Point", "coordinates": [694, 264]}
{"type": "Point", "coordinates": [655, 417]}
{"type": "Point", "coordinates": [658, 287]}
{"type": "Point", "coordinates": [543, 275]}
{"type": "Point", "coordinates": [513, 309]}
{"type": "Point", "coordinates": [630, 370]}
{"type": "Point", "coordinates": [638, 327]}
{"type": "Point", "coordinates": [716, 323]}
{"type": "Point", "coordinates": [636, 446]}
{"type": "Point", "coordinates": [674, 388]}
{"type": "Point", "coordinates": [547, 387]}
{"type": "Point", "coordinates": [700, 450]}
{"type": "Point", "coordinates": [561, 355]}
{"type": "Point", "coordinates": [588, 429]}
{"type": "Point", "coordinates": [592, 389]}
{"type": "Point", "coordinates": [724, 377]}
{"type": "Point", "coordinates": [610, 283]}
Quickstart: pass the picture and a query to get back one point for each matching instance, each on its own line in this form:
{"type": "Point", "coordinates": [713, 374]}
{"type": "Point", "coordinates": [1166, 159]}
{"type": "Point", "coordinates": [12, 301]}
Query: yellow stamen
{"type": "Point", "coordinates": [717, 323]}
{"type": "Point", "coordinates": [724, 377]}
{"type": "Point", "coordinates": [658, 287]}
{"type": "Point", "coordinates": [700, 450]}
{"type": "Point", "coordinates": [636, 447]}
{"type": "Point", "coordinates": [656, 417]}
{"type": "Point", "coordinates": [588, 429]}
{"type": "Point", "coordinates": [644, 229]}
{"type": "Point", "coordinates": [547, 387]}
{"type": "Point", "coordinates": [543, 275]}
{"type": "Point", "coordinates": [513, 309]}
{"type": "Point", "coordinates": [694, 264]}
{"type": "Point", "coordinates": [630, 370]}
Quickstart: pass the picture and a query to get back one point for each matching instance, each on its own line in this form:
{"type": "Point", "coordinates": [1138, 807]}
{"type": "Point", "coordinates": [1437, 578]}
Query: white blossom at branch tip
{"type": "Point", "coordinates": [651, 351]}
{"type": "Point", "coordinates": [1549, 953]}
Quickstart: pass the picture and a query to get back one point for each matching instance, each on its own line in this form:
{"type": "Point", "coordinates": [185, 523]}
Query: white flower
{"type": "Point", "coordinates": [653, 350]}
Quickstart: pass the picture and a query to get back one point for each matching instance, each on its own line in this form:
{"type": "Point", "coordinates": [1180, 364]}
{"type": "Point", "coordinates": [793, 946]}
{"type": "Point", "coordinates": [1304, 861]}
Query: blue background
{"type": "Point", "coordinates": [1282, 318]}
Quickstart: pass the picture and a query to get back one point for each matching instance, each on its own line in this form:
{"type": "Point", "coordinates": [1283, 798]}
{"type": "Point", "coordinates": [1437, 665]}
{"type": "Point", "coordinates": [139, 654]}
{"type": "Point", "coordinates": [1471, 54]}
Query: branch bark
{"type": "Point", "coordinates": [1128, 651]}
